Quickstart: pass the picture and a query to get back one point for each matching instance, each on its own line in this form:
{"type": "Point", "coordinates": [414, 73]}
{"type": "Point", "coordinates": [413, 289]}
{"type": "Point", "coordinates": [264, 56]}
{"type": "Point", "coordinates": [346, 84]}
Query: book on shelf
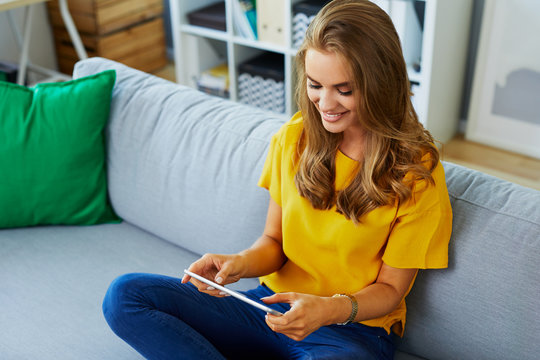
{"type": "Point", "coordinates": [245, 18]}
{"type": "Point", "coordinates": [215, 81]}
{"type": "Point", "coordinates": [271, 21]}
{"type": "Point", "coordinates": [250, 11]}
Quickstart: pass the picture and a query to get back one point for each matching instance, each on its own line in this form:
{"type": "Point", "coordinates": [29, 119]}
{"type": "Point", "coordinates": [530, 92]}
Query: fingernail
{"type": "Point", "coordinates": [219, 280]}
{"type": "Point", "coordinates": [222, 293]}
{"type": "Point", "coordinates": [210, 288]}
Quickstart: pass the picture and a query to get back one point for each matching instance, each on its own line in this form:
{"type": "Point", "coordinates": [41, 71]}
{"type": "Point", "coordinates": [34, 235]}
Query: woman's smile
{"type": "Point", "coordinates": [332, 116]}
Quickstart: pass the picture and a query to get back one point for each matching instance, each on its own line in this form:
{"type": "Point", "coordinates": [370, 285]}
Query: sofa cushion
{"type": "Point", "coordinates": [52, 168]}
{"type": "Point", "coordinates": [53, 280]}
{"type": "Point", "coordinates": [184, 165]}
{"type": "Point", "coordinates": [486, 304]}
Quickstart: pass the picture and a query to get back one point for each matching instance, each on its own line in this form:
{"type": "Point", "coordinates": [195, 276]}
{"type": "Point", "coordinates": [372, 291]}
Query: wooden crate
{"type": "Point", "coordinates": [99, 17]}
{"type": "Point", "coordinates": [140, 46]}
{"type": "Point", "coordinates": [127, 31]}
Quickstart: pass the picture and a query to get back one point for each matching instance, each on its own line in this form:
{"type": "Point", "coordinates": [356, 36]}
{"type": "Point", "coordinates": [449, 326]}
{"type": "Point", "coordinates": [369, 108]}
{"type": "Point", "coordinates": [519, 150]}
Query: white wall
{"type": "Point", "coordinates": [41, 42]}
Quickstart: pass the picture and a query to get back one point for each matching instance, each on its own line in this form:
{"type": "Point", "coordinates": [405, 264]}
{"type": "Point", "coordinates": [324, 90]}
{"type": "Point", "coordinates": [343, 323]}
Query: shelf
{"type": "Point", "coordinates": [223, 36]}
{"type": "Point", "coordinates": [433, 33]}
{"type": "Point", "coordinates": [204, 32]}
{"type": "Point", "coordinates": [264, 46]}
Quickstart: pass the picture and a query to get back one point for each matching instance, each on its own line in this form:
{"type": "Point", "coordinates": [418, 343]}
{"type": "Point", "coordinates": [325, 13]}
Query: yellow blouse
{"type": "Point", "coordinates": [328, 254]}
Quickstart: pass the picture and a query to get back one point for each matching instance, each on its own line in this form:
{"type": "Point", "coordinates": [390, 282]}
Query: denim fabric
{"type": "Point", "coordinates": [162, 318]}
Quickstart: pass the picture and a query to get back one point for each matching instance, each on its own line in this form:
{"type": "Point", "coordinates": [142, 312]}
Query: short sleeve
{"type": "Point", "coordinates": [271, 175]}
{"type": "Point", "coordinates": [420, 235]}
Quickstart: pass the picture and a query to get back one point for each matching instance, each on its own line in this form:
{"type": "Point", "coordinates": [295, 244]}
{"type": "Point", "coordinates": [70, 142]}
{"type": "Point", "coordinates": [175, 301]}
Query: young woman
{"type": "Point", "coordinates": [358, 205]}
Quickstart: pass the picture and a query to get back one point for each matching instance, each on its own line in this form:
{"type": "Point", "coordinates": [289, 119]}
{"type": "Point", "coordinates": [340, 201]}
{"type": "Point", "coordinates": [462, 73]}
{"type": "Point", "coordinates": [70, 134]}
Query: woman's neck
{"type": "Point", "coordinates": [352, 144]}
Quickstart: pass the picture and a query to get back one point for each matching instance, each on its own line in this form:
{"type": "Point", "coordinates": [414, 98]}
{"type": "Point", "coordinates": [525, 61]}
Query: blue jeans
{"type": "Point", "coordinates": [162, 318]}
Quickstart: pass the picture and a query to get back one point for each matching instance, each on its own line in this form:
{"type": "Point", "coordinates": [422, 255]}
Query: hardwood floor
{"type": "Point", "coordinates": [513, 167]}
{"type": "Point", "coordinates": [503, 164]}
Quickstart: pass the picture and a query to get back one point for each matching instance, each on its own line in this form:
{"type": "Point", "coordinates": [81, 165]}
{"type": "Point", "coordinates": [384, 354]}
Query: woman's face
{"type": "Point", "coordinates": [329, 87]}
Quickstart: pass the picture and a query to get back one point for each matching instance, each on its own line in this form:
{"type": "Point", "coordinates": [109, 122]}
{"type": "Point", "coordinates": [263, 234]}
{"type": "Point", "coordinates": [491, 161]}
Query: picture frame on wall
{"type": "Point", "coordinates": [505, 102]}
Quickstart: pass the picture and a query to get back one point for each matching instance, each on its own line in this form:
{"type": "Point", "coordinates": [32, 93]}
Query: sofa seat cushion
{"type": "Point", "coordinates": [53, 280]}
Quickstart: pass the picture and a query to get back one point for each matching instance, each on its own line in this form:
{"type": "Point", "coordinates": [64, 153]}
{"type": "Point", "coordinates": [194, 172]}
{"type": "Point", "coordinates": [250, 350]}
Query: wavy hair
{"type": "Point", "coordinates": [364, 36]}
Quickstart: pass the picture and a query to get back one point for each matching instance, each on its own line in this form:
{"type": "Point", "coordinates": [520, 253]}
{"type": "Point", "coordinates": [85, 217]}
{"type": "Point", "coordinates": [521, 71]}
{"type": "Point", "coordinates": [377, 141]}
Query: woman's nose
{"type": "Point", "coordinates": [327, 101]}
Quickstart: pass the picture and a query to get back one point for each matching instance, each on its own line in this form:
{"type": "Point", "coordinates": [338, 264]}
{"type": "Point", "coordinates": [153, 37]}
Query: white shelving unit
{"type": "Point", "coordinates": [435, 55]}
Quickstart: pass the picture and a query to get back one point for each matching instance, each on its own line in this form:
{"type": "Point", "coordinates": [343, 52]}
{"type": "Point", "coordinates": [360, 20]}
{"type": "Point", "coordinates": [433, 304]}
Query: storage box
{"type": "Point", "coordinates": [304, 13]}
{"type": "Point", "coordinates": [261, 82]}
{"type": "Point", "coordinates": [141, 46]}
{"type": "Point", "coordinates": [212, 17]}
{"type": "Point", "coordinates": [99, 17]}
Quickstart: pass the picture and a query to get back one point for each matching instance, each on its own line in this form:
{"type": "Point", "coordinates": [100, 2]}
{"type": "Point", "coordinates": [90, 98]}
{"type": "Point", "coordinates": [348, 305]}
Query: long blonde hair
{"type": "Point", "coordinates": [364, 36]}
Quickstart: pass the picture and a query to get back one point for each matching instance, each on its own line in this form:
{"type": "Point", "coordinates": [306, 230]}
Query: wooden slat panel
{"type": "Point", "coordinates": [119, 43]}
{"type": "Point", "coordinates": [130, 19]}
{"type": "Point", "coordinates": [104, 17]}
{"type": "Point", "coordinates": [67, 51]}
{"type": "Point", "coordinates": [150, 60]}
{"type": "Point", "coordinates": [127, 31]}
{"type": "Point", "coordinates": [66, 65]}
{"type": "Point", "coordinates": [90, 42]}
{"type": "Point", "coordinates": [133, 39]}
{"type": "Point", "coordinates": [125, 8]}
{"type": "Point", "coordinates": [85, 23]}
{"type": "Point", "coordinates": [75, 6]}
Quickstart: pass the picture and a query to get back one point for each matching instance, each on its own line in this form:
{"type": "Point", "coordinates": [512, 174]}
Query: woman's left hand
{"type": "Point", "coordinates": [307, 314]}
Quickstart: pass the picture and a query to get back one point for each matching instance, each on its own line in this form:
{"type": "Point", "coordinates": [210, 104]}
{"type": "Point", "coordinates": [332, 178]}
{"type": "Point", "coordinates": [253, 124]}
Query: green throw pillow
{"type": "Point", "coordinates": [52, 152]}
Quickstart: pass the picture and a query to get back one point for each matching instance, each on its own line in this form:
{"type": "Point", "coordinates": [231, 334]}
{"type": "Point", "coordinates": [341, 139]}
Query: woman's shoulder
{"type": "Point", "coordinates": [428, 194]}
{"type": "Point", "coordinates": [290, 132]}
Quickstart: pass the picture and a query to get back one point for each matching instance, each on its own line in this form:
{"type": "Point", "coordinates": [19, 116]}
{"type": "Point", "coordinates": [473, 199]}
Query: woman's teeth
{"type": "Point", "coordinates": [332, 116]}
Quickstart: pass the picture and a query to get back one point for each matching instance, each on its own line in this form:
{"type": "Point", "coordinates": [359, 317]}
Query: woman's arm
{"type": "Point", "coordinates": [309, 312]}
{"type": "Point", "coordinates": [378, 299]}
{"type": "Point", "coordinates": [263, 257]}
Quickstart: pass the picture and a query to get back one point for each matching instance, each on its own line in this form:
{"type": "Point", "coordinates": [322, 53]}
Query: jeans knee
{"type": "Point", "coordinates": [121, 294]}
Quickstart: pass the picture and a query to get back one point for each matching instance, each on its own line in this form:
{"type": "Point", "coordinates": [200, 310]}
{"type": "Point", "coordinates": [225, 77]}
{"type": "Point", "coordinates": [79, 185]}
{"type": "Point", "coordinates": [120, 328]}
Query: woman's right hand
{"type": "Point", "coordinates": [264, 257]}
{"type": "Point", "coordinates": [221, 269]}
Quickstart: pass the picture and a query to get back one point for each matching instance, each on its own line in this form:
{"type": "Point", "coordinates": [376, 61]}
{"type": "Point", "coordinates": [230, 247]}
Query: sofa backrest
{"type": "Point", "coordinates": [183, 165]}
{"type": "Point", "coordinates": [486, 305]}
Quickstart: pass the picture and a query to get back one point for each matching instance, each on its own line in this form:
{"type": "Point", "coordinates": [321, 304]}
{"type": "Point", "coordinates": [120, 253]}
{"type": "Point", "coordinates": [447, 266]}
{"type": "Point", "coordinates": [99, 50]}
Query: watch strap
{"type": "Point", "coordinates": [354, 310]}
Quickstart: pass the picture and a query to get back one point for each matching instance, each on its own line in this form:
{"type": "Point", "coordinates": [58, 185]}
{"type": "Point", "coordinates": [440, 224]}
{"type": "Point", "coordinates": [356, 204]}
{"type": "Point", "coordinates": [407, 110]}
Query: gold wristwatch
{"type": "Point", "coordinates": [354, 311]}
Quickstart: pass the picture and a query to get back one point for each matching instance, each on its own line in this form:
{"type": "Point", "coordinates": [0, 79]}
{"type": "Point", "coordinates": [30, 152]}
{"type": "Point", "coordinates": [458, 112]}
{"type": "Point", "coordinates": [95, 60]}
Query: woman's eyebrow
{"type": "Point", "coordinates": [346, 83]}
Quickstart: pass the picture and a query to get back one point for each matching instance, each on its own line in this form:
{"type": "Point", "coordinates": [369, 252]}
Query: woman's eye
{"type": "Point", "coordinates": [313, 86]}
{"type": "Point", "coordinates": [345, 93]}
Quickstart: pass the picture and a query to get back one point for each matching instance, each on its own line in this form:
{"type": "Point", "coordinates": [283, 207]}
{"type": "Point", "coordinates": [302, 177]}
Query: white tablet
{"type": "Point", "coordinates": [234, 293]}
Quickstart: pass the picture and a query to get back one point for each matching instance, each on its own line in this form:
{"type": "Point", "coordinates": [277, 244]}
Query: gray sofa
{"type": "Point", "coordinates": [182, 172]}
